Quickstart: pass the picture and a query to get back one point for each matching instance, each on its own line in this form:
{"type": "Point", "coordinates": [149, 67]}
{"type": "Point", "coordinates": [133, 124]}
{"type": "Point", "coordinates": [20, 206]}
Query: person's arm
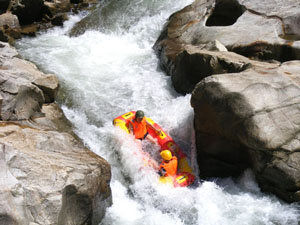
{"type": "Point", "coordinates": [156, 130]}
{"type": "Point", "coordinates": [130, 128]}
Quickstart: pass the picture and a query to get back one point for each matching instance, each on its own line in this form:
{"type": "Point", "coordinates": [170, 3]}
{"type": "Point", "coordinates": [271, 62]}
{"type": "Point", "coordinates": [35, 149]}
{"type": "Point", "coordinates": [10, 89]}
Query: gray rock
{"type": "Point", "coordinates": [56, 6]}
{"type": "Point", "coordinates": [9, 27]}
{"type": "Point", "coordinates": [258, 21]}
{"type": "Point", "coordinates": [261, 30]}
{"type": "Point", "coordinates": [23, 87]}
{"type": "Point", "coordinates": [216, 46]}
{"type": "Point", "coordinates": [10, 20]}
{"type": "Point", "coordinates": [7, 52]}
{"type": "Point", "coordinates": [47, 176]}
{"type": "Point", "coordinates": [251, 119]}
{"type": "Point", "coordinates": [53, 175]}
{"type": "Point", "coordinates": [109, 16]}
{"type": "Point", "coordinates": [194, 64]}
{"type": "Point", "coordinates": [246, 108]}
{"type": "Point", "coordinates": [52, 118]}
{"type": "Point", "coordinates": [28, 101]}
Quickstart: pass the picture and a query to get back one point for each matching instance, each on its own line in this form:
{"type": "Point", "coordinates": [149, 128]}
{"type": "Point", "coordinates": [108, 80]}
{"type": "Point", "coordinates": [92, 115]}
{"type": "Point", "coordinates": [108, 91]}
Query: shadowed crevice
{"type": "Point", "coordinates": [7, 220]}
{"type": "Point", "coordinates": [76, 207]}
{"type": "Point", "coordinates": [225, 13]}
{"type": "Point", "coordinates": [263, 51]}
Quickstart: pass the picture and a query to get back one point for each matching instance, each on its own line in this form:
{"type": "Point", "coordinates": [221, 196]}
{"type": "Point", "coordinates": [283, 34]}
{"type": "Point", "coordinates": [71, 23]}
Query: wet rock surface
{"type": "Point", "coordinates": [23, 87]}
{"type": "Point", "coordinates": [245, 92]}
{"type": "Point", "coordinates": [38, 167]}
{"type": "Point", "coordinates": [251, 119]}
{"type": "Point", "coordinates": [47, 175]}
{"type": "Point", "coordinates": [264, 33]}
{"type": "Point", "coordinates": [34, 15]}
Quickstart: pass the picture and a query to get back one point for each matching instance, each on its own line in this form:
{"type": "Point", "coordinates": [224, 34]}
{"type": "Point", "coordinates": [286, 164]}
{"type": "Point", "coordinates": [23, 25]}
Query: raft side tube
{"type": "Point", "coordinates": [162, 138]}
{"type": "Point", "coordinates": [184, 179]}
{"type": "Point", "coordinates": [122, 121]}
{"type": "Point", "coordinates": [179, 180]}
{"type": "Point", "coordinates": [183, 165]}
{"type": "Point", "coordinates": [121, 124]}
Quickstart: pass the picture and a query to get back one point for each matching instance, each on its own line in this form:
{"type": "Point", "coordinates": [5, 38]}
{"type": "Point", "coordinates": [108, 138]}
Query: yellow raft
{"type": "Point", "coordinates": [184, 176]}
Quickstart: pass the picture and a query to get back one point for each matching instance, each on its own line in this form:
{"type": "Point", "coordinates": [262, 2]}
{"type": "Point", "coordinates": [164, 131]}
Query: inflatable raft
{"type": "Point", "coordinates": [184, 176]}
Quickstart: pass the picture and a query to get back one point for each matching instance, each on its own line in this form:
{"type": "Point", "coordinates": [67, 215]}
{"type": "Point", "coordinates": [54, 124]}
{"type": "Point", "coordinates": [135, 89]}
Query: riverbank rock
{"type": "Point", "coordinates": [265, 31]}
{"type": "Point", "coordinates": [34, 15]}
{"type": "Point", "coordinates": [109, 15]}
{"type": "Point", "coordinates": [47, 175]}
{"type": "Point", "coordinates": [53, 175]}
{"type": "Point", "coordinates": [23, 87]}
{"type": "Point", "coordinates": [245, 92]}
{"type": "Point", "coordinates": [9, 27]}
{"type": "Point", "coordinates": [106, 16]}
{"type": "Point", "coordinates": [251, 119]}
{"type": "Point", "coordinates": [194, 63]}
{"type": "Point", "coordinates": [10, 20]}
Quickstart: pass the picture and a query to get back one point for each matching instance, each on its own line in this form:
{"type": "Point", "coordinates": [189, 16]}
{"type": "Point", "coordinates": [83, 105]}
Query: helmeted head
{"type": "Point", "coordinates": [166, 154]}
{"type": "Point", "coordinates": [139, 114]}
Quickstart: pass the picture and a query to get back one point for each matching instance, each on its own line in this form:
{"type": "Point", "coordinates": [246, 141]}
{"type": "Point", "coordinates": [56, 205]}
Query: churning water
{"type": "Point", "coordinates": [112, 70]}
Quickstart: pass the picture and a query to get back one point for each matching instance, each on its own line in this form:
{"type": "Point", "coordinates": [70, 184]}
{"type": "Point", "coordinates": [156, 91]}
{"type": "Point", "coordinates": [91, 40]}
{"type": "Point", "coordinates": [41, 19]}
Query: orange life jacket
{"type": "Point", "coordinates": [139, 128]}
{"type": "Point", "coordinates": [170, 167]}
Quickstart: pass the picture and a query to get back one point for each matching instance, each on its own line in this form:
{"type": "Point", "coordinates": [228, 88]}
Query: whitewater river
{"type": "Point", "coordinates": [110, 71]}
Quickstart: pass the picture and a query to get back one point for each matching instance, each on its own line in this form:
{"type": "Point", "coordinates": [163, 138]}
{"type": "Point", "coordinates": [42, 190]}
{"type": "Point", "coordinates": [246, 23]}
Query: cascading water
{"type": "Point", "coordinates": [112, 70]}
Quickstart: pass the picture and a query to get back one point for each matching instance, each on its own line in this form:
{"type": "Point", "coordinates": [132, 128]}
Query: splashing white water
{"type": "Point", "coordinates": [107, 72]}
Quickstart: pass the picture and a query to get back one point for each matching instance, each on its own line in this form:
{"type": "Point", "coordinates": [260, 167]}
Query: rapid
{"type": "Point", "coordinates": [111, 70]}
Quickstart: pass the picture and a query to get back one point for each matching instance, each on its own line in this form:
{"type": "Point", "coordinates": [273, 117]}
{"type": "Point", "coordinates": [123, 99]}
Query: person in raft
{"type": "Point", "coordinates": [168, 167]}
{"type": "Point", "coordinates": [139, 126]}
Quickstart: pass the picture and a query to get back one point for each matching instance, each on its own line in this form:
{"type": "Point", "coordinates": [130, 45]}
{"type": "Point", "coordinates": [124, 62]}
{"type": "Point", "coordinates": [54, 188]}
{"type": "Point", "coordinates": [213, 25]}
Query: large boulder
{"type": "Point", "coordinates": [9, 27]}
{"type": "Point", "coordinates": [194, 63]}
{"type": "Point", "coordinates": [251, 119]}
{"type": "Point", "coordinates": [262, 30]}
{"type": "Point", "coordinates": [228, 54]}
{"type": "Point", "coordinates": [106, 15]}
{"type": "Point", "coordinates": [109, 16]}
{"type": "Point", "coordinates": [23, 87]}
{"type": "Point", "coordinates": [47, 175]}
{"type": "Point", "coordinates": [9, 20]}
